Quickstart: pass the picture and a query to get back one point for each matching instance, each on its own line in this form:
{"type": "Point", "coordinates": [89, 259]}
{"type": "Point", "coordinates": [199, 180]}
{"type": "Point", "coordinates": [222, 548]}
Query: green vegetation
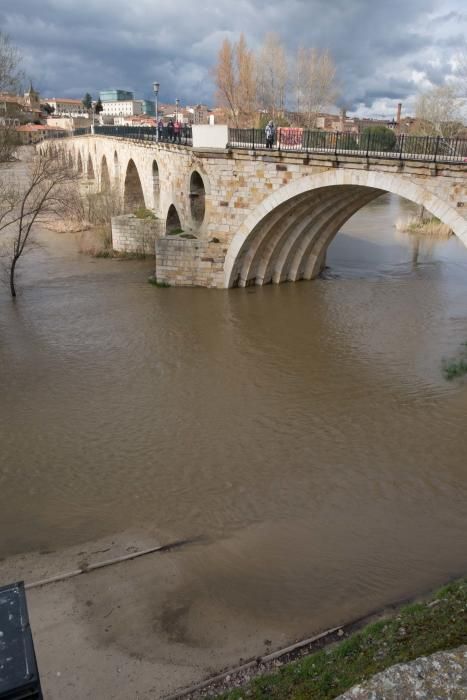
{"type": "Point", "coordinates": [175, 232]}
{"type": "Point", "coordinates": [155, 282]}
{"type": "Point", "coordinates": [452, 369]}
{"type": "Point", "coordinates": [378, 138]}
{"type": "Point", "coordinates": [416, 630]}
{"type": "Point", "coordinates": [187, 235]}
{"type": "Point", "coordinates": [143, 213]}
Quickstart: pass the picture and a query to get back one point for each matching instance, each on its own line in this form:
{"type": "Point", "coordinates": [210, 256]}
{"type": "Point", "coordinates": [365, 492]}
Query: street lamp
{"type": "Point", "coordinates": [177, 102]}
{"type": "Point", "coordinates": [155, 87]}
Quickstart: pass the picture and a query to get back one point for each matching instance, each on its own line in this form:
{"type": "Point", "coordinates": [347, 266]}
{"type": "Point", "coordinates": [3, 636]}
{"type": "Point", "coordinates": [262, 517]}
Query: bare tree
{"type": "Point", "coordinates": [246, 88]}
{"type": "Point", "coordinates": [315, 83]}
{"type": "Point", "coordinates": [234, 75]}
{"type": "Point", "coordinates": [272, 75]}
{"type": "Point", "coordinates": [43, 191]}
{"type": "Point", "coordinates": [10, 80]}
{"type": "Point", "coordinates": [225, 79]}
{"type": "Point", "coordinates": [10, 60]}
{"type": "Point", "coordinates": [438, 112]}
{"type": "Point", "coordinates": [8, 142]}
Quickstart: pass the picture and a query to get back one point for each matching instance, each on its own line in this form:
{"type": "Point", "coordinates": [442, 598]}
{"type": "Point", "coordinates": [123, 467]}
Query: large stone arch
{"type": "Point", "coordinates": [287, 235]}
{"type": "Point", "coordinates": [133, 196]}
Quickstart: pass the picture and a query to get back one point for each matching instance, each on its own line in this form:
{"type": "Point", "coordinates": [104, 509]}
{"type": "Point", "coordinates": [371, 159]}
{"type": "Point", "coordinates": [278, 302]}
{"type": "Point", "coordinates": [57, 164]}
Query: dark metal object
{"type": "Point", "coordinates": [435, 149]}
{"type": "Point", "coordinates": [19, 677]}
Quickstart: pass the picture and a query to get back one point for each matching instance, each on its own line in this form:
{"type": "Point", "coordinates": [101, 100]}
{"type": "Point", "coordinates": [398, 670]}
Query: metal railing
{"type": "Point", "coordinates": [183, 137]}
{"type": "Point", "coordinates": [401, 147]}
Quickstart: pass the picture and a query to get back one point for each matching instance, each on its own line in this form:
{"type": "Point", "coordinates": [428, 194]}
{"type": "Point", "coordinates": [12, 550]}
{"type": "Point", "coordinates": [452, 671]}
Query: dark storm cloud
{"type": "Point", "coordinates": [384, 51]}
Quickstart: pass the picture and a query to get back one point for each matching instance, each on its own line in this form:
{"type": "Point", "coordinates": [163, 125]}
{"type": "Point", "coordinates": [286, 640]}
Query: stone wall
{"type": "Point", "coordinates": [182, 262]}
{"type": "Point", "coordinates": [133, 235]}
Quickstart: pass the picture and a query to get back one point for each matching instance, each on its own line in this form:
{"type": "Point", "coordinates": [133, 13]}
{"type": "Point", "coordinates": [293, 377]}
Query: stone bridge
{"type": "Point", "coordinates": [231, 217]}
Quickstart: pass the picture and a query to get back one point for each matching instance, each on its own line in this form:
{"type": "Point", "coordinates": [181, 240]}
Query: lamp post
{"type": "Point", "coordinates": [155, 87]}
{"type": "Point", "coordinates": [177, 102]}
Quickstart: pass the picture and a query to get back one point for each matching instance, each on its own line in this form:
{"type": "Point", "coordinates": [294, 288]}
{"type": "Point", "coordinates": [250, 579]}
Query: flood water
{"type": "Point", "coordinates": [305, 429]}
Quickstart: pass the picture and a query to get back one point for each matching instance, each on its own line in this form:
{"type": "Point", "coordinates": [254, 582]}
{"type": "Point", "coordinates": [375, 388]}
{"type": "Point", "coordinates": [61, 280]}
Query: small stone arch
{"type": "Point", "coordinates": [90, 170]}
{"type": "Point", "coordinates": [133, 197]}
{"type": "Point", "coordinates": [155, 183]}
{"type": "Point", "coordinates": [70, 159]}
{"type": "Point", "coordinates": [116, 166]}
{"type": "Point", "coordinates": [173, 222]}
{"type": "Point", "coordinates": [197, 197]}
{"type": "Point", "coordinates": [105, 177]}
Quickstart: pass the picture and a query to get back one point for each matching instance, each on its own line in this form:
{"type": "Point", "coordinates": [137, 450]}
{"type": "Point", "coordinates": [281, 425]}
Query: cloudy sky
{"type": "Point", "coordinates": [385, 50]}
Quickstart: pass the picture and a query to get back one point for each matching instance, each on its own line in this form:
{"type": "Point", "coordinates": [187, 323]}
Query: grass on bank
{"type": "Point", "coordinates": [416, 630]}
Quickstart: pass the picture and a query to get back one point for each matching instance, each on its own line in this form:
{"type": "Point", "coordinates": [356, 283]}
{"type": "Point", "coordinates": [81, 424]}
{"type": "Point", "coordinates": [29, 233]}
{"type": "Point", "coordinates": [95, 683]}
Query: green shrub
{"type": "Point", "coordinates": [143, 213]}
{"type": "Point", "coordinates": [378, 138]}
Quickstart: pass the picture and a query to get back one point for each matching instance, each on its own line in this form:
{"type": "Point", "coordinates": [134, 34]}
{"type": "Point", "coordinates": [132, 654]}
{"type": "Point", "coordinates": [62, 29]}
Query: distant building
{"type": "Point", "coordinates": [122, 108]}
{"type": "Point", "coordinates": [148, 107]}
{"type": "Point", "coordinates": [136, 120]}
{"type": "Point", "coordinates": [199, 114]}
{"type": "Point", "coordinates": [69, 122]}
{"type": "Point", "coordinates": [115, 95]}
{"type": "Point", "coordinates": [32, 133]}
{"type": "Point", "coordinates": [66, 106]}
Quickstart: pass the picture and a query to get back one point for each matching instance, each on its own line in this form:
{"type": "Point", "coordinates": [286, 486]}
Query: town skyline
{"type": "Point", "coordinates": [66, 52]}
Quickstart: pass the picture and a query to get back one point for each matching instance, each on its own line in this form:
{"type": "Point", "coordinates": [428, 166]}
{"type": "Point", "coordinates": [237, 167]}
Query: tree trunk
{"type": "Point", "coordinates": [12, 277]}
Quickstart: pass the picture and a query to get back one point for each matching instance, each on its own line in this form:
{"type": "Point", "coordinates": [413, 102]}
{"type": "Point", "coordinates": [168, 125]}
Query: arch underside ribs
{"type": "Point", "coordinates": [290, 243]}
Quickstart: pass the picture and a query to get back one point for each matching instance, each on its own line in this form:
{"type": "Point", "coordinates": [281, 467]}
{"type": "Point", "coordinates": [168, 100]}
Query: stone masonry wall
{"type": "Point", "coordinates": [189, 262]}
{"type": "Point", "coordinates": [133, 235]}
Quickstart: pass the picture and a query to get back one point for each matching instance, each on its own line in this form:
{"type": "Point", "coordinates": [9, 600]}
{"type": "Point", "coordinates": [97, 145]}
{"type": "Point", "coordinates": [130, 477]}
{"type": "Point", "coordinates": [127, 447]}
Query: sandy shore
{"type": "Point", "coordinates": [125, 631]}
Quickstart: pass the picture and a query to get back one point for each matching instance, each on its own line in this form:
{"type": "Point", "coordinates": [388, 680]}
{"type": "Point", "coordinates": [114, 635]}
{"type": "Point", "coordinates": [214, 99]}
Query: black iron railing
{"type": "Point", "coordinates": [399, 147]}
{"type": "Point", "coordinates": [402, 147]}
{"type": "Point", "coordinates": [182, 137]}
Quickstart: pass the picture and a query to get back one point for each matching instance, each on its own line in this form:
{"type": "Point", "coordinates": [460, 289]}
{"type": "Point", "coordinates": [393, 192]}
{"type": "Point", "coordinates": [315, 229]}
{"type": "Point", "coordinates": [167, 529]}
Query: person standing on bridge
{"type": "Point", "coordinates": [177, 131]}
{"type": "Point", "coordinates": [270, 134]}
{"type": "Point", "coordinates": [160, 129]}
{"type": "Point", "coordinates": [170, 130]}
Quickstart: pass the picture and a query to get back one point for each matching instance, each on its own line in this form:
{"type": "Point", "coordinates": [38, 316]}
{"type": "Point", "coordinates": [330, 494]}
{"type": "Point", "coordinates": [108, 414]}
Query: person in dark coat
{"type": "Point", "coordinates": [270, 134]}
{"type": "Point", "coordinates": [170, 130]}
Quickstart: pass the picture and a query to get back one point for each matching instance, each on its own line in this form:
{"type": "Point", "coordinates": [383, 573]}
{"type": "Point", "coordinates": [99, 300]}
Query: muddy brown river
{"type": "Point", "coordinates": [305, 430]}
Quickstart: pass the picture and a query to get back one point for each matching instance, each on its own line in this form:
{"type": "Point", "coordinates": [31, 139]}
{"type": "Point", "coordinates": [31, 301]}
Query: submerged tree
{"type": "Point", "coordinates": [45, 190]}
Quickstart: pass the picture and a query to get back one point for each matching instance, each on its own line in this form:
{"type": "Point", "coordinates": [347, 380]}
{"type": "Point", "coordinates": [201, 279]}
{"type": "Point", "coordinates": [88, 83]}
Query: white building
{"type": "Point", "coordinates": [122, 108]}
{"type": "Point", "coordinates": [66, 106]}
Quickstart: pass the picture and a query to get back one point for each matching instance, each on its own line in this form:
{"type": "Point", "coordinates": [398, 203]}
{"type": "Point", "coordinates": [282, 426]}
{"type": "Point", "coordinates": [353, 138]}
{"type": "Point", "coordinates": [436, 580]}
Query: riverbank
{"type": "Point", "coordinates": [436, 623]}
{"type": "Point", "coordinates": [121, 631]}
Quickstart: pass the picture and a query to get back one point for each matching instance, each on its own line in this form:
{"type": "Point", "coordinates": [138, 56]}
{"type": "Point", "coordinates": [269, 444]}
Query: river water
{"type": "Point", "coordinates": [305, 429]}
